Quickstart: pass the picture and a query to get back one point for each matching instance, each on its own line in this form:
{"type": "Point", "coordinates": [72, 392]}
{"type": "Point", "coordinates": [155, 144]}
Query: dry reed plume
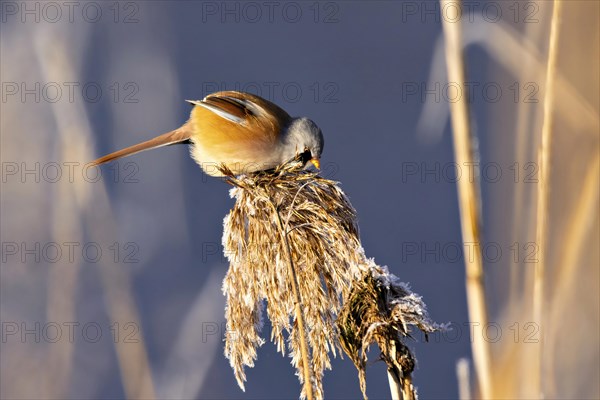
{"type": "Point", "coordinates": [292, 240]}
{"type": "Point", "coordinates": [380, 309]}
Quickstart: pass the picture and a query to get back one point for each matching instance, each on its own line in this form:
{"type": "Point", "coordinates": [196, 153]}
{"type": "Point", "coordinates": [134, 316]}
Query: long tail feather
{"type": "Point", "coordinates": [177, 136]}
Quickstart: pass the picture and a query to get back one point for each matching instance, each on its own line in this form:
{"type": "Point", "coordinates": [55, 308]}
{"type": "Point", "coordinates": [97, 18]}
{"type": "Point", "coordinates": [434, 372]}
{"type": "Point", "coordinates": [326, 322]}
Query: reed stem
{"type": "Point", "coordinates": [306, 364]}
{"type": "Point", "coordinates": [543, 192]}
{"type": "Point", "coordinates": [468, 200]}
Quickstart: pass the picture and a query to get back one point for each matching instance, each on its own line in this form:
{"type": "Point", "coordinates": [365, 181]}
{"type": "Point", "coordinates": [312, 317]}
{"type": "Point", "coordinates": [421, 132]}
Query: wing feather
{"type": "Point", "coordinates": [252, 112]}
{"type": "Point", "coordinates": [237, 124]}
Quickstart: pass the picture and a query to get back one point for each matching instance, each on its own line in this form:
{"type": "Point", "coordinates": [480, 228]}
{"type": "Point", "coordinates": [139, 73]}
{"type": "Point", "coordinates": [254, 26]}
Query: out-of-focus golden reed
{"type": "Point", "coordinates": [552, 306]}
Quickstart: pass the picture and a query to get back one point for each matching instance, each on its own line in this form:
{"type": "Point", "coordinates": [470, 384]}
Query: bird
{"type": "Point", "coordinates": [240, 131]}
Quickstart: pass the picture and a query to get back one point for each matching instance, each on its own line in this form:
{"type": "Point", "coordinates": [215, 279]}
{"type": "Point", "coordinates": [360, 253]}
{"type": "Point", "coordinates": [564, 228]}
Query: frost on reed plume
{"type": "Point", "coordinates": [293, 232]}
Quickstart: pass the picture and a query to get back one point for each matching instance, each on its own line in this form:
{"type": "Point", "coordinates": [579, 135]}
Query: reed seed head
{"type": "Point", "coordinates": [290, 206]}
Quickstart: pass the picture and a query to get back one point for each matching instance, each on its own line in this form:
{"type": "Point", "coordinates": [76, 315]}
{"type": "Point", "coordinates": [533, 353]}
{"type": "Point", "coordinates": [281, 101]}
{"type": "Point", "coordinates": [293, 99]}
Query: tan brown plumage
{"type": "Point", "coordinates": [240, 131]}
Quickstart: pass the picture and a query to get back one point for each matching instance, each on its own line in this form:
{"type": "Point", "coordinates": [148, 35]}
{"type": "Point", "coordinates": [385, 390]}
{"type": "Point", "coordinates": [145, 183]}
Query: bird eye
{"type": "Point", "coordinates": [306, 155]}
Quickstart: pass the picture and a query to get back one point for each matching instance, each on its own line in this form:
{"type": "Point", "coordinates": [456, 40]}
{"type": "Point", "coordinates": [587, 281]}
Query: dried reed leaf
{"type": "Point", "coordinates": [380, 309]}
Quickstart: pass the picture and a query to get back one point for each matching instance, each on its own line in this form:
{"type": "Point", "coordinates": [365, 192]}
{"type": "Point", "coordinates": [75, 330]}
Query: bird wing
{"type": "Point", "coordinates": [242, 115]}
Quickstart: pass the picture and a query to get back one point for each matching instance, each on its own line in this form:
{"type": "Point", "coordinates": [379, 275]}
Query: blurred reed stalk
{"type": "Point", "coordinates": [468, 198]}
{"type": "Point", "coordinates": [544, 192]}
{"type": "Point", "coordinates": [464, 379]}
{"type": "Point", "coordinates": [66, 211]}
{"type": "Point", "coordinates": [72, 203]}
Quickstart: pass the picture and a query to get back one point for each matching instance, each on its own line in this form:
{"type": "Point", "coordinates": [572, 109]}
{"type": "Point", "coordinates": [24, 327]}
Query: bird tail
{"type": "Point", "coordinates": [180, 135]}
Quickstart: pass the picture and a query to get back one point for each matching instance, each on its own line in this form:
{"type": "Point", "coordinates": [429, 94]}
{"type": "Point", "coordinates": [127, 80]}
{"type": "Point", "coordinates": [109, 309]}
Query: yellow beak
{"type": "Point", "coordinates": [315, 162]}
